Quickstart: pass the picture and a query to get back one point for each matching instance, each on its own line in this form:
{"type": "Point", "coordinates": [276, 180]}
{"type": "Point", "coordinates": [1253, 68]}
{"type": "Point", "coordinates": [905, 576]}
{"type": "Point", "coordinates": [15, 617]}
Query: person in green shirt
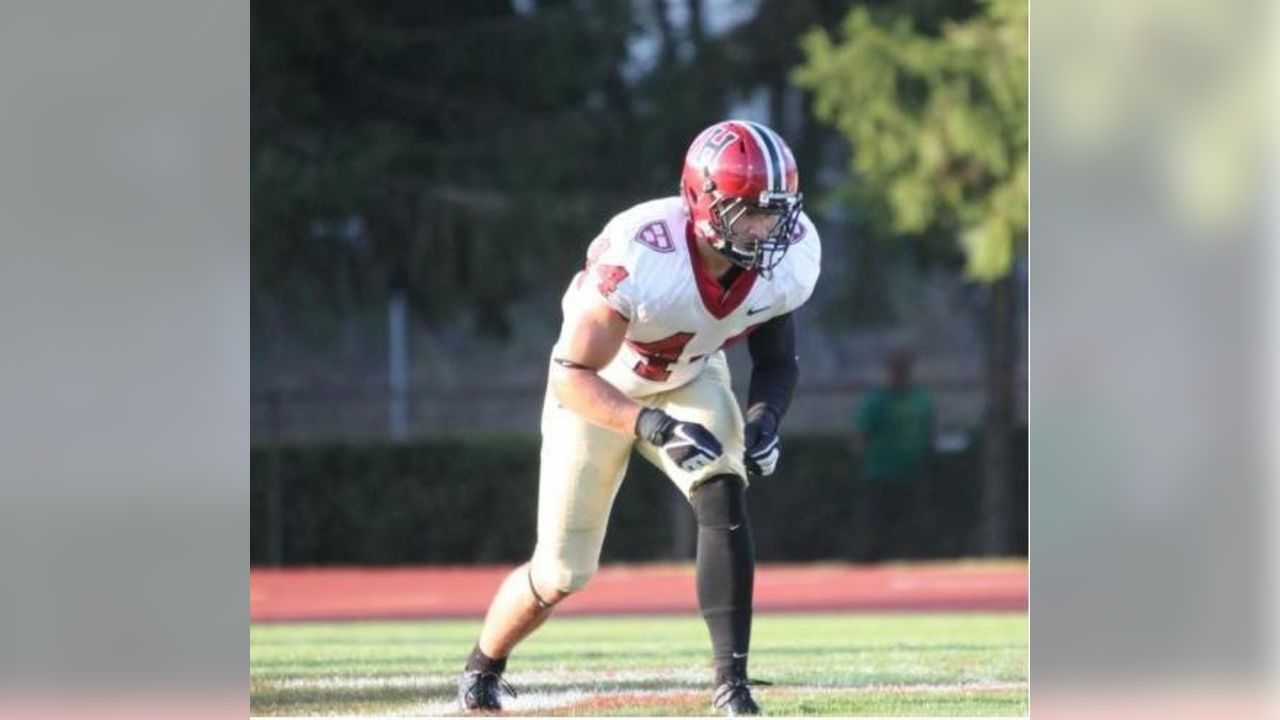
{"type": "Point", "coordinates": [894, 432]}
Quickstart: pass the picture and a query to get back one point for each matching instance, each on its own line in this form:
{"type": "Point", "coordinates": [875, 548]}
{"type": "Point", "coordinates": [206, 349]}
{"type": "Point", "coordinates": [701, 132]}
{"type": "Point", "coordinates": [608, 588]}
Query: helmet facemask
{"type": "Point", "coordinates": [752, 251]}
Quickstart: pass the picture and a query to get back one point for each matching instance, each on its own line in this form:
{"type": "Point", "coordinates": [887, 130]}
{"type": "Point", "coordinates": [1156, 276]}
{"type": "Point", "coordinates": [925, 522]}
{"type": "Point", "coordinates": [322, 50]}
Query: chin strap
{"type": "Point", "coordinates": [722, 246]}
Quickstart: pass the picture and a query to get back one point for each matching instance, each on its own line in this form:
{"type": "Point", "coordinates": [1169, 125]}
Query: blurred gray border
{"type": "Point", "coordinates": [124, 299]}
{"type": "Point", "coordinates": [1152, 125]}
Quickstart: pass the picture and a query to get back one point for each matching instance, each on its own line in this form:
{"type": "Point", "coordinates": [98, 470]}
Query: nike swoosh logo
{"type": "Point", "coordinates": [739, 656]}
{"type": "Point", "coordinates": [757, 311]}
{"type": "Point", "coordinates": [734, 527]}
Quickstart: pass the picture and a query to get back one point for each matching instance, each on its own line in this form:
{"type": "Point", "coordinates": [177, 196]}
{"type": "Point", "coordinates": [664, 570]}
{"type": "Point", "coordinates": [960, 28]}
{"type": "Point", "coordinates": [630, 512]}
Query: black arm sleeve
{"type": "Point", "coordinates": [774, 367]}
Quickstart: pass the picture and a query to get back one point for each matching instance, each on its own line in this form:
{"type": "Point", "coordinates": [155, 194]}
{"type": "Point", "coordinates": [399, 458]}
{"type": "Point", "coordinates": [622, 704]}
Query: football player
{"type": "Point", "coordinates": [639, 364]}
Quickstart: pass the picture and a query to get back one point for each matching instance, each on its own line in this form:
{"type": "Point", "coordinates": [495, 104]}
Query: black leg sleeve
{"type": "Point", "coordinates": [726, 570]}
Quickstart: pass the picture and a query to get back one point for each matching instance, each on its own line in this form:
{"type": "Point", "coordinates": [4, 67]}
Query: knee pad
{"type": "Point", "coordinates": [720, 502]}
{"type": "Point", "coordinates": [557, 575]}
{"type": "Point", "coordinates": [577, 581]}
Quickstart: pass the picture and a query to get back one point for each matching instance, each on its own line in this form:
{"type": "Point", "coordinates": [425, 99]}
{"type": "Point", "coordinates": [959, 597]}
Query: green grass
{"type": "Point", "coordinates": [891, 664]}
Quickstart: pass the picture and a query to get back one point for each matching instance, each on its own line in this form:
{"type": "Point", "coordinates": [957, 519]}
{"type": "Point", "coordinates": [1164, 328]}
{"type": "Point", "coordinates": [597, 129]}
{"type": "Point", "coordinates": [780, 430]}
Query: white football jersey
{"type": "Point", "coordinates": [645, 266]}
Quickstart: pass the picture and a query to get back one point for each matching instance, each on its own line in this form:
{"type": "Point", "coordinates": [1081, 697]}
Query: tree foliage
{"type": "Point", "coordinates": [468, 152]}
{"type": "Point", "coordinates": [442, 127]}
{"type": "Point", "coordinates": [937, 122]}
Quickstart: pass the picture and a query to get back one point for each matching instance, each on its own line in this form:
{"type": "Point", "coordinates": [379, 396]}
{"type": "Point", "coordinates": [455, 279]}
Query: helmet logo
{"type": "Point", "coordinates": [718, 139]}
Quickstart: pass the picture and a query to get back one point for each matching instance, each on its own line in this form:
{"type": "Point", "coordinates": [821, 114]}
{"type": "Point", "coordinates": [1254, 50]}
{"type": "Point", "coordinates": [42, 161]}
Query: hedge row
{"type": "Point", "coordinates": [474, 501]}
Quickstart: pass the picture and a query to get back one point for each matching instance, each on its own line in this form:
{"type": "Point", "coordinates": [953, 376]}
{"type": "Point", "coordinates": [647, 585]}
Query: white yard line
{"type": "Point", "coordinates": [536, 701]}
{"type": "Point", "coordinates": [976, 686]}
{"type": "Point", "coordinates": [518, 679]}
{"type": "Point", "coordinates": [595, 686]}
{"type": "Point", "coordinates": [687, 681]}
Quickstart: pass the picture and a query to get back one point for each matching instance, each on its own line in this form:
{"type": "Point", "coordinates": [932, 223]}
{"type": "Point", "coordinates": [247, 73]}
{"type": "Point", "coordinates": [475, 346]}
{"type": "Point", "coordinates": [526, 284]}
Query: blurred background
{"type": "Point", "coordinates": [426, 178]}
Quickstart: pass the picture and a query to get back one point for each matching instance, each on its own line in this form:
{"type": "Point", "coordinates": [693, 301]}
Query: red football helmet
{"type": "Point", "coordinates": [735, 167]}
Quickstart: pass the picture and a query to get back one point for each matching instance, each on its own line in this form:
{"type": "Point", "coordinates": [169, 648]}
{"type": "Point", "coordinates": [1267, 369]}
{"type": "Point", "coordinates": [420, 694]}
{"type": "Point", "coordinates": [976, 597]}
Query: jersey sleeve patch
{"type": "Point", "coordinates": [656, 236]}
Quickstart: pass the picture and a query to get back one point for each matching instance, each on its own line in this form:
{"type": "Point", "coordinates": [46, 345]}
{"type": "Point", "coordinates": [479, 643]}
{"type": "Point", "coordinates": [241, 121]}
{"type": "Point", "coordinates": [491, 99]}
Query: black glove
{"type": "Point", "coordinates": [761, 439]}
{"type": "Point", "coordinates": [688, 444]}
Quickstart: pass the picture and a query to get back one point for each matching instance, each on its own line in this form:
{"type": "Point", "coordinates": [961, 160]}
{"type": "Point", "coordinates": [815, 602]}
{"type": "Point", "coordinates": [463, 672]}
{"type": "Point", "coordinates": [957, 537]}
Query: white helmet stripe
{"type": "Point", "coordinates": [766, 151]}
{"type": "Point", "coordinates": [781, 145]}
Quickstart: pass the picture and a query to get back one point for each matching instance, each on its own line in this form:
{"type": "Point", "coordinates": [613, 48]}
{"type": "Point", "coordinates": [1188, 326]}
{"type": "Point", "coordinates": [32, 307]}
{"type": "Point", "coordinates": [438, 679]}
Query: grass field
{"type": "Point", "coordinates": [884, 664]}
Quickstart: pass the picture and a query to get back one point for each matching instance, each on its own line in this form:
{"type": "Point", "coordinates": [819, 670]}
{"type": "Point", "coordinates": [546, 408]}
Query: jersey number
{"type": "Point", "coordinates": [610, 276]}
{"type": "Point", "coordinates": [656, 357]}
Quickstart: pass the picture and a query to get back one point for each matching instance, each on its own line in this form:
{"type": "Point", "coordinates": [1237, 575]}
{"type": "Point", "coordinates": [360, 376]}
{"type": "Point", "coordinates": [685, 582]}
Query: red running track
{"type": "Point", "coordinates": [464, 592]}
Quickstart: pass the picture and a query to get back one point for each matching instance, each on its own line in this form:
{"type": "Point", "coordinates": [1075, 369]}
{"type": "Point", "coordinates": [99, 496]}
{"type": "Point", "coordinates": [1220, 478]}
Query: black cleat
{"type": "Point", "coordinates": [482, 690]}
{"type": "Point", "coordinates": [733, 697]}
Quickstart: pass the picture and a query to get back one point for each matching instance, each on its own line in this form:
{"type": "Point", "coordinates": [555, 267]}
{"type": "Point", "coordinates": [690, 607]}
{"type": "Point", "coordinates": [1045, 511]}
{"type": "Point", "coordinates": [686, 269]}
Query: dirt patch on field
{"type": "Point", "coordinates": [687, 703]}
{"type": "Point", "coordinates": [682, 703]}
